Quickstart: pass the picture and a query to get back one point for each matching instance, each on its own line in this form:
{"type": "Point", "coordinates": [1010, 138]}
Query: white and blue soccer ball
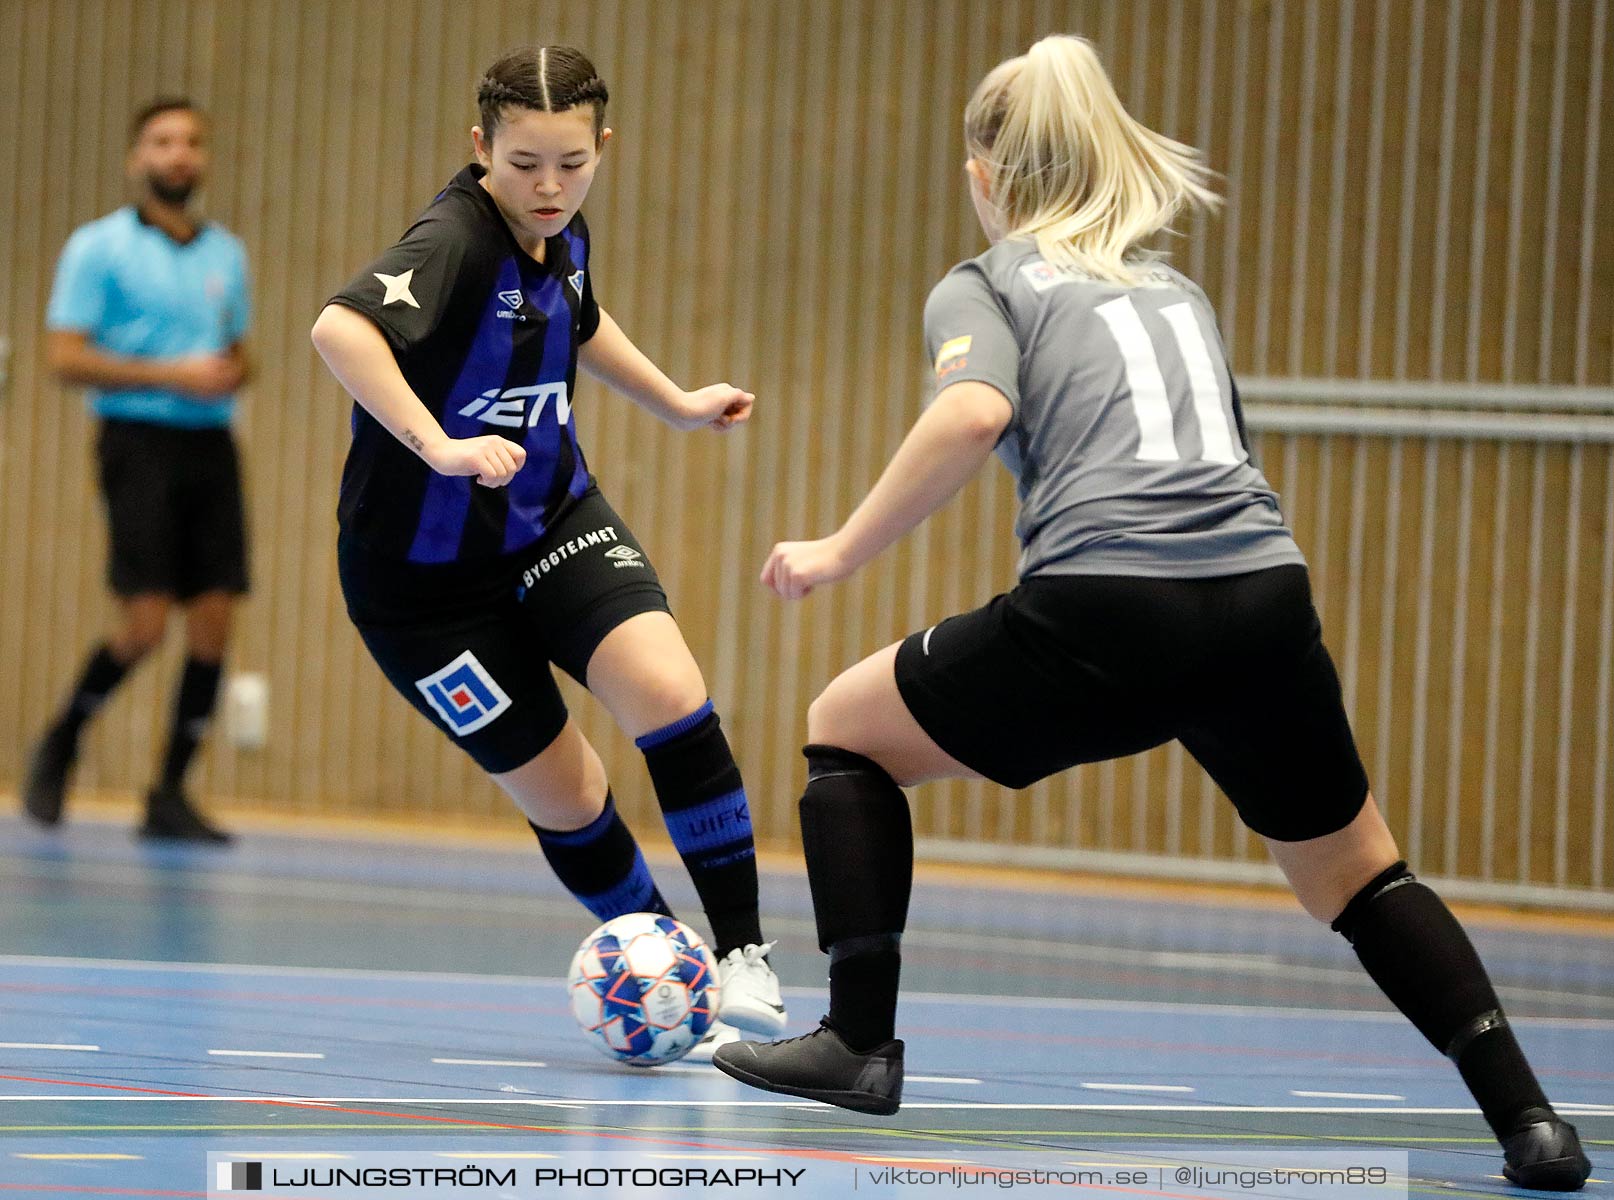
{"type": "Point", "coordinates": [644, 989]}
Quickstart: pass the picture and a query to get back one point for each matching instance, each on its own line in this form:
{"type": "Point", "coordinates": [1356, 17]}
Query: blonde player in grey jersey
{"type": "Point", "coordinates": [1160, 597]}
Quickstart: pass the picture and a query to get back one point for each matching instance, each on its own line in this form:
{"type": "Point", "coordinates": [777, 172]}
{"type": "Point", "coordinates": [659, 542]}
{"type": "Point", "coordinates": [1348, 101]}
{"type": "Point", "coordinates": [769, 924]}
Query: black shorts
{"type": "Point", "coordinates": [177, 522]}
{"type": "Point", "coordinates": [1069, 669]}
{"type": "Point", "coordinates": [470, 645]}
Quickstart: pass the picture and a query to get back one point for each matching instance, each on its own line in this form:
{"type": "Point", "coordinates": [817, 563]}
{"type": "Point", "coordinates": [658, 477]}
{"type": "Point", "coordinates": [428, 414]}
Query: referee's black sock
{"type": "Point", "coordinates": [101, 674]}
{"type": "Point", "coordinates": [193, 706]}
{"type": "Point", "coordinates": [603, 866]}
{"type": "Point", "coordinates": [703, 801]}
{"type": "Point", "coordinates": [1415, 950]}
{"type": "Point", "coordinates": [857, 834]}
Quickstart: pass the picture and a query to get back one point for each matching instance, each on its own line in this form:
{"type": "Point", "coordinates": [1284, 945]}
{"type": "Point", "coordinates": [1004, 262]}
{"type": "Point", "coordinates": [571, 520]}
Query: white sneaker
{"type": "Point", "coordinates": [718, 1035]}
{"type": "Point", "coordinates": [750, 998]}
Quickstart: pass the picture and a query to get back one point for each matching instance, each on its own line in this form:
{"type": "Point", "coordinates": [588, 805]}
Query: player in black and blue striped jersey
{"type": "Point", "coordinates": [475, 547]}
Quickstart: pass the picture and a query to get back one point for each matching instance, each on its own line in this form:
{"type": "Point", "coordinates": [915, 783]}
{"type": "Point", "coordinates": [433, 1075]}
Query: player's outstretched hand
{"type": "Point", "coordinates": [796, 568]}
{"type": "Point", "coordinates": [721, 406]}
{"type": "Point", "coordinates": [492, 459]}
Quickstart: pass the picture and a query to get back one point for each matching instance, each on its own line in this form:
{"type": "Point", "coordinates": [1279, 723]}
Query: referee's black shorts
{"type": "Point", "coordinates": [176, 517]}
{"type": "Point", "coordinates": [1069, 669]}
{"type": "Point", "coordinates": [470, 644]}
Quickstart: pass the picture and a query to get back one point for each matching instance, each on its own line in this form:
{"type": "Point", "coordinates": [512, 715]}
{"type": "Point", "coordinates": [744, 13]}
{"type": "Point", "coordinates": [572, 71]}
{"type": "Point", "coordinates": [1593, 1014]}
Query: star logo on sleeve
{"type": "Point", "coordinates": [397, 288]}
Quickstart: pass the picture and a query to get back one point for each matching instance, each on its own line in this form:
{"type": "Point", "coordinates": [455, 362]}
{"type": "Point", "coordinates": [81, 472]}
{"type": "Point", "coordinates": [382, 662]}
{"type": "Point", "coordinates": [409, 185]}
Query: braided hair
{"type": "Point", "coordinates": [543, 78]}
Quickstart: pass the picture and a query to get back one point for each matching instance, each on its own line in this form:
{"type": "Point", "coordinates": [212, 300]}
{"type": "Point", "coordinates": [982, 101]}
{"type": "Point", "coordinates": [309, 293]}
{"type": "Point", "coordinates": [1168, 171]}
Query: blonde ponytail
{"type": "Point", "coordinates": [1071, 168]}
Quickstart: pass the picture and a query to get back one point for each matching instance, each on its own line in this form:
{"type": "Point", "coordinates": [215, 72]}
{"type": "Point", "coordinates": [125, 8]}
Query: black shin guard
{"type": "Point", "coordinates": [857, 835]}
{"type": "Point", "coordinates": [1416, 951]}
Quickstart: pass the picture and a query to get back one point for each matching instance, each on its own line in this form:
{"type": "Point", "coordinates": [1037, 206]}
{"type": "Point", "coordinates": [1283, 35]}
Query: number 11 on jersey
{"type": "Point", "coordinates": [1151, 402]}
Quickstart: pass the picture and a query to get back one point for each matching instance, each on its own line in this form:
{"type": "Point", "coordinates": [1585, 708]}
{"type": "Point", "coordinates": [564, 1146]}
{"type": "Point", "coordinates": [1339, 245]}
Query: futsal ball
{"type": "Point", "coordinates": [644, 989]}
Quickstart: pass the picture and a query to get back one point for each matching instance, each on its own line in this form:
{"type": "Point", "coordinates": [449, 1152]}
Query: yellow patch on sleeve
{"type": "Point", "coordinates": [952, 348]}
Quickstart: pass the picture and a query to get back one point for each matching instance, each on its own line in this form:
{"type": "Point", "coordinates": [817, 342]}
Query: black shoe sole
{"type": "Point", "coordinates": [148, 834]}
{"type": "Point", "coordinates": [1554, 1175]}
{"type": "Point", "coordinates": [863, 1102]}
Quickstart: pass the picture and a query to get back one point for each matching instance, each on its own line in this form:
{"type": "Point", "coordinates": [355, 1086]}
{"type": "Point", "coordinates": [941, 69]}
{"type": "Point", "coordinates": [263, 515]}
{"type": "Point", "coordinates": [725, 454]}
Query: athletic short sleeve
{"type": "Point", "coordinates": [588, 309]}
{"type": "Point", "coordinates": [238, 318]}
{"type": "Point", "coordinates": [968, 335]}
{"type": "Point", "coordinates": [78, 298]}
{"type": "Point", "coordinates": [588, 312]}
{"type": "Point", "coordinates": [409, 290]}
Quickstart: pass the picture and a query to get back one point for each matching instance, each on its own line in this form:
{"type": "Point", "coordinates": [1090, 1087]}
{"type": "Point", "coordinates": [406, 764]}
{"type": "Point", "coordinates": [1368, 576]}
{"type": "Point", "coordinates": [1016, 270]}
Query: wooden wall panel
{"type": "Point", "coordinates": [1413, 192]}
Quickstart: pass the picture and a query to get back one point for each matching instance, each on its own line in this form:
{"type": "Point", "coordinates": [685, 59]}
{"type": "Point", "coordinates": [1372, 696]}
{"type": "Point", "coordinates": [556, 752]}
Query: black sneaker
{"type": "Point", "coordinates": [1544, 1154]}
{"type": "Point", "coordinates": [819, 1066]}
{"type": "Point", "coordinates": [170, 816]}
{"type": "Point", "coordinates": [46, 784]}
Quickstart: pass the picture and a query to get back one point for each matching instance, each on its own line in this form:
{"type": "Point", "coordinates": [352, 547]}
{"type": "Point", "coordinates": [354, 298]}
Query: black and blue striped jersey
{"type": "Point", "coordinates": [488, 339]}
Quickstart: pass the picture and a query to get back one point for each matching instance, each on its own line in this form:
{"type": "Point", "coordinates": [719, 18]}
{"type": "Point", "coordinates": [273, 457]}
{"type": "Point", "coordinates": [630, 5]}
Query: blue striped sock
{"type": "Point", "coordinates": [703, 800]}
{"type": "Point", "coordinates": [603, 866]}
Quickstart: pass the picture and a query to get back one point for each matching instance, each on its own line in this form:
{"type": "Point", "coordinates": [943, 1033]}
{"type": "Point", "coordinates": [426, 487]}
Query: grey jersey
{"type": "Point", "coordinates": [1127, 442]}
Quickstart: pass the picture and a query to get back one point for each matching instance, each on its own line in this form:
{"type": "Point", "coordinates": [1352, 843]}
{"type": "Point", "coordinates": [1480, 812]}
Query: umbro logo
{"type": "Point", "coordinates": [512, 300]}
{"type": "Point", "coordinates": [625, 556]}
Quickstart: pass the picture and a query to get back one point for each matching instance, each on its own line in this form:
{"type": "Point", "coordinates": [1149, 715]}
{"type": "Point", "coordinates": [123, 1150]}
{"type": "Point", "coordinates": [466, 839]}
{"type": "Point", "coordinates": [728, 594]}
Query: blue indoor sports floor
{"type": "Point", "coordinates": [344, 995]}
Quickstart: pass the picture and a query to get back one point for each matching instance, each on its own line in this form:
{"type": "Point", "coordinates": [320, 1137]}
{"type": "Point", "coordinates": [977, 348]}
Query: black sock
{"type": "Point", "coordinates": [703, 801]}
{"type": "Point", "coordinates": [101, 674]}
{"type": "Point", "coordinates": [1415, 950]}
{"type": "Point", "coordinates": [857, 834]}
{"type": "Point", "coordinates": [193, 705]}
{"type": "Point", "coordinates": [603, 866]}
{"type": "Point", "coordinates": [863, 978]}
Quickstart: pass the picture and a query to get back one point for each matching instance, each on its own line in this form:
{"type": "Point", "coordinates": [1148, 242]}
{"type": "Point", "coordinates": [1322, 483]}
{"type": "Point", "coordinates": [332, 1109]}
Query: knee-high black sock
{"type": "Point", "coordinates": [703, 801]}
{"type": "Point", "coordinates": [1415, 950]}
{"type": "Point", "coordinates": [193, 706]}
{"type": "Point", "coordinates": [857, 834]}
{"type": "Point", "coordinates": [101, 674]}
{"type": "Point", "coordinates": [603, 866]}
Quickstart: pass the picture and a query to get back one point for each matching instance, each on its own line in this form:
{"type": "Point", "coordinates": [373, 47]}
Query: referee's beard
{"type": "Point", "coordinates": [168, 192]}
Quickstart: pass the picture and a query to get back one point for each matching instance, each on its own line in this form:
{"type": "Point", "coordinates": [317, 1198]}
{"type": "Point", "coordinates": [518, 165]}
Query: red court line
{"type": "Point", "coordinates": [86, 1190]}
{"type": "Point", "coordinates": [826, 1155]}
{"type": "Point", "coordinates": [105, 1087]}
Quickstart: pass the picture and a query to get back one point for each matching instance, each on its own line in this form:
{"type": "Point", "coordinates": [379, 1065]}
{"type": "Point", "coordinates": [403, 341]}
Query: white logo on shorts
{"type": "Point", "coordinates": [464, 695]}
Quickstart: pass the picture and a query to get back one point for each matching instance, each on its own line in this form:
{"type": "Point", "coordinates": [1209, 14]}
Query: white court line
{"type": "Point", "coordinates": [1137, 1087]}
{"type": "Point", "coordinates": [486, 1062]}
{"type": "Point", "coordinates": [264, 1054]}
{"type": "Point", "coordinates": [1346, 1096]}
{"type": "Point", "coordinates": [942, 1079]}
{"type": "Point", "coordinates": [78, 1157]}
{"type": "Point", "coordinates": [960, 1106]}
{"type": "Point", "coordinates": [1234, 1011]}
{"type": "Point", "coordinates": [42, 1046]}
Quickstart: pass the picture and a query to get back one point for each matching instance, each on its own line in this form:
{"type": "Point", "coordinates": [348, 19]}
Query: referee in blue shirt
{"type": "Point", "coordinates": [148, 312]}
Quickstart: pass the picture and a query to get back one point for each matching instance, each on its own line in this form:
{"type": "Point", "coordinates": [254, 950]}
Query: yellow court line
{"type": "Point", "coordinates": [870, 1131]}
